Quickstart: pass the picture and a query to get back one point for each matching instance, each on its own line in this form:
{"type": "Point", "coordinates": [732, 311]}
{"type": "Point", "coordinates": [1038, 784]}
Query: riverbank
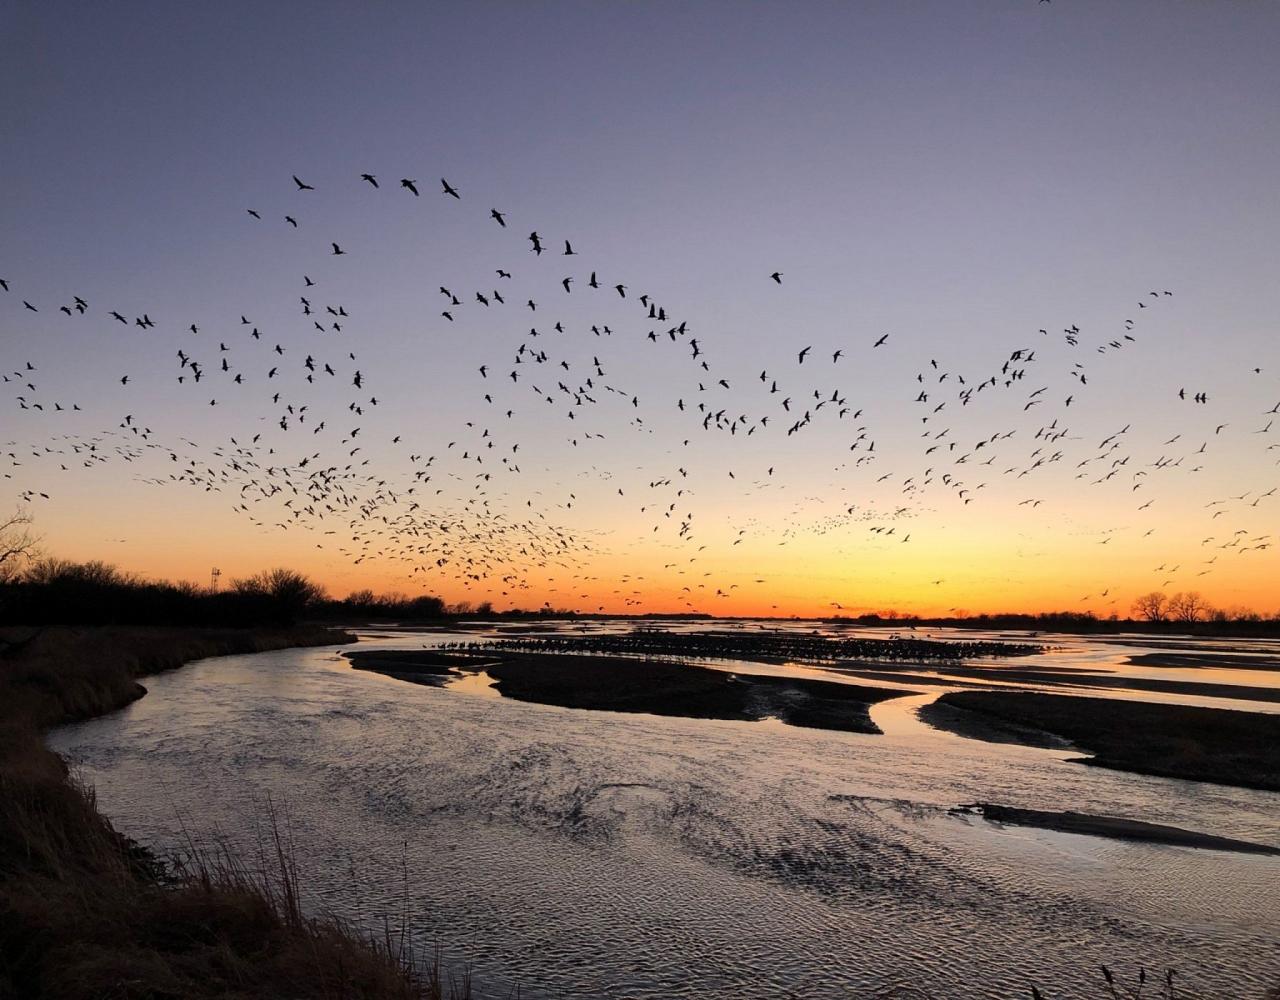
{"type": "Point", "coordinates": [656, 687]}
{"type": "Point", "coordinates": [85, 913]}
{"type": "Point", "coordinates": [1174, 741]}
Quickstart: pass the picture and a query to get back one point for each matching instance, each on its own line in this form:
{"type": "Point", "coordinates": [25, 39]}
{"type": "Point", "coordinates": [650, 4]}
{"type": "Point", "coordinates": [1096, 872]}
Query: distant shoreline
{"type": "Point", "coordinates": [1034, 625]}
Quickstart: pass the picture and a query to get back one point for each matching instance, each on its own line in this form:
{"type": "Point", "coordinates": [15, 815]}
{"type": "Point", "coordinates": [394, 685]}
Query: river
{"type": "Point", "coordinates": [580, 854]}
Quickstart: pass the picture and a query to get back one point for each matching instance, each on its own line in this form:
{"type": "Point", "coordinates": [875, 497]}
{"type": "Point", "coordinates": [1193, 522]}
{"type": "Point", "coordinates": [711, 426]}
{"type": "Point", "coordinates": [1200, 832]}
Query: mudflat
{"type": "Point", "coordinates": [1217, 745]}
{"type": "Point", "coordinates": [1115, 827]}
{"type": "Point", "coordinates": [657, 687]}
{"type": "Point", "coordinates": [1201, 659]}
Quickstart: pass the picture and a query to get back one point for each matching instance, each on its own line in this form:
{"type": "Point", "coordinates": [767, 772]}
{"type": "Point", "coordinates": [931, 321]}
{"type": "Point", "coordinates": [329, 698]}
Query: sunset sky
{"type": "Point", "coordinates": [956, 175]}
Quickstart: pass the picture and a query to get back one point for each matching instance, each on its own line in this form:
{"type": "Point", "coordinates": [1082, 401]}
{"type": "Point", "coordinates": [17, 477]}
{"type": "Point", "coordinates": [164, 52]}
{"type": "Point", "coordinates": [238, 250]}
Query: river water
{"type": "Point", "coordinates": [579, 854]}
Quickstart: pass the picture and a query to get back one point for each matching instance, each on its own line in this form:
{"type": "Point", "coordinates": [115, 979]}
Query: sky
{"type": "Point", "coordinates": [958, 176]}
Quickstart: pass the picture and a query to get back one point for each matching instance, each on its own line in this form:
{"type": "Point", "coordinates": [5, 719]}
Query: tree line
{"type": "Point", "coordinates": [1191, 607]}
{"type": "Point", "coordinates": [1153, 612]}
{"type": "Point", "coordinates": [52, 591]}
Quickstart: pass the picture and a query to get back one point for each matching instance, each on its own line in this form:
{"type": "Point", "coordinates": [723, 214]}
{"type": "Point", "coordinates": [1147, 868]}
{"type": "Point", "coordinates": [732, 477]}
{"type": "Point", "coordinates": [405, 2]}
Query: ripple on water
{"type": "Point", "coordinates": [586, 853]}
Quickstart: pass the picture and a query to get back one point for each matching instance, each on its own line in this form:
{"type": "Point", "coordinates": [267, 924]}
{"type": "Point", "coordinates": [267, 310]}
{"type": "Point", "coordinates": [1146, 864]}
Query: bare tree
{"type": "Point", "coordinates": [1189, 607]}
{"type": "Point", "coordinates": [18, 546]}
{"type": "Point", "coordinates": [1153, 607]}
{"type": "Point", "coordinates": [291, 592]}
{"type": "Point", "coordinates": [361, 598]}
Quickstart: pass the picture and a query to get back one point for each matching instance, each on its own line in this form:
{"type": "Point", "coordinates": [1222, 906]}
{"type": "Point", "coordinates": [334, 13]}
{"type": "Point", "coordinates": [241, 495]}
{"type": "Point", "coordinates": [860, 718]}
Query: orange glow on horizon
{"type": "Point", "coordinates": [986, 568]}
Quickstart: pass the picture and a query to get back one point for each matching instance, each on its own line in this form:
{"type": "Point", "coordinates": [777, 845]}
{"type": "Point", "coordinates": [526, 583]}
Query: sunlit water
{"type": "Point", "coordinates": [579, 853]}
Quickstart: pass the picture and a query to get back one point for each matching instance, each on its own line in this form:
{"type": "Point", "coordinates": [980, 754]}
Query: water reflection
{"type": "Point", "coordinates": [474, 682]}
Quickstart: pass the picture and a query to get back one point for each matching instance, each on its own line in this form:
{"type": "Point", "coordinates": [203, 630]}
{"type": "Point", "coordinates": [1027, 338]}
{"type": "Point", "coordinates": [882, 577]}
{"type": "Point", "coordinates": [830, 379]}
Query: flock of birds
{"type": "Point", "coordinates": [456, 509]}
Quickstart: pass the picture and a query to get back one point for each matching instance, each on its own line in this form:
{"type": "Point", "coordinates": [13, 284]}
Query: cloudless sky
{"type": "Point", "coordinates": [956, 174]}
